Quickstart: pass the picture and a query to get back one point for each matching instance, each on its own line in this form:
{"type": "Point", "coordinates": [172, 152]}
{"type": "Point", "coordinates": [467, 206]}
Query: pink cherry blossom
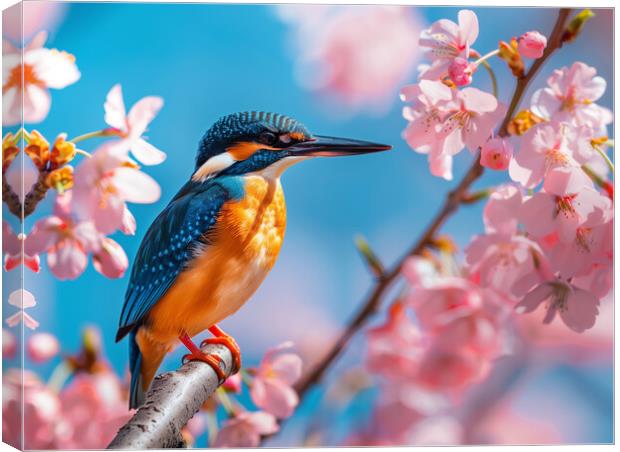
{"type": "Point", "coordinates": [13, 252]}
{"type": "Point", "coordinates": [460, 72]}
{"type": "Point", "coordinates": [22, 299]}
{"type": "Point", "coordinates": [545, 147]}
{"type": "Point", "coordinates": [9, 344]}
{"type": "Point", "coordinates": [42, 347]}
{"type": "Point", "coordinates": [361, 56]}
{"type": "Point", "coordinates": [496, 154]}
{"type": "Point", "coordinates": [502, 260]}
{"type": "Point", "coordinates": [110, 260]}
{"type": "Point", "coordinates": [444, 41]}
{"type": "Point", "coordinates": [501, 212]}
{"type": "Point", "coordinates": [394, 348]}
{"type": "Point", "coordinates": [442, 369]}
{"type": "Point", "coordinates": [28, 77]}
{"type": "Point", "coordinates": [532, 44]}
{"type": "Point", "coordinates": [133, 125]}
{"type": "Point", "coordinates": [66, 241]}
{"type": "Point", "coordinates": [104, 182]}
{"type": "Point", "coordinates": [234, 383]}
{"type": "Point", "coordinates": [435, 306]}
{"type": "Point", "coordinates": [272, 386]}
{"type": "Point", "coordinates": [25, 398]}
{"type": "Point", "coordinates": [578, 307]}
{"type": "Point", "coordinates": [420, 272]}
{"type": "Point", "coordinates": [245, 429]}
{"type": "Point", "coordinates": [91, 396]}
{"type": "Point", "coordinates": [472, 121]}
{"type": "Point", "coordinates": [571, 95]}
{"type": "Point", "coordinates": [567, 203]}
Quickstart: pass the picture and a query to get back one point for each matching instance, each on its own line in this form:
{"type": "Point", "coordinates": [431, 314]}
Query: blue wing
{"type": "Point", "coordinates": [167, 247]}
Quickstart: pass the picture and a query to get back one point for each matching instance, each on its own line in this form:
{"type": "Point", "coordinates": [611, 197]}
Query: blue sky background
{"type": "Point", "coordinates": [210, 60]}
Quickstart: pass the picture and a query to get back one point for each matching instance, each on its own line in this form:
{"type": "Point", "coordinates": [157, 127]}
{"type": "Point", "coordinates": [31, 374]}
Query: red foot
{"type": "Point", "coordinates": [197, 355]}
{"type": "Point", "coordinates": [228, 341]}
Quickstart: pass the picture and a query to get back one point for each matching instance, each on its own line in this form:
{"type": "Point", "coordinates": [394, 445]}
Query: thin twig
{"type": "Point", "coordinates": [174, 398]}
{"type": "Point", "coordinates": [450, 205]}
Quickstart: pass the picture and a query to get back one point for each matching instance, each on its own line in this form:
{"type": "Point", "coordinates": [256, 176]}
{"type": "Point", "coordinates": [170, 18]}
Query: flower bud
{"type": "Point", "coordinates": [62, 152]}
{"type": "Point", "coordinates": [509, 53]}
{"type": "Point", "coordinates": [60, 179]}
{"type": "Point", "coordinates": [38, 149]}
{"type": "Point", "coordinates": [576, 25]}
{"type": "Point", "coordinates": [532, 44]}
{"type": "Point", "coordinates": [9, 150]}
{"type": "Point", "coordinates": [42, 347]}
{"type": "Point", "coordinates": [460, 72]}
{"type": "Point", "coordinates": [496, 154]}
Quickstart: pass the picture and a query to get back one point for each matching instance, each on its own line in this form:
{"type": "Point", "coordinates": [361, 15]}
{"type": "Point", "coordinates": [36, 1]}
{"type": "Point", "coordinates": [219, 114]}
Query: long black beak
{"type": "Point", "coordinates": [322, 146]}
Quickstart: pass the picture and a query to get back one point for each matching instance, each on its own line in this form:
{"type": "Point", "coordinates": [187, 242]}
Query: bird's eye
{"type": "Point", "coordinates": [267, 138]}
{"type": "Point", "coordinates": [285, 138]}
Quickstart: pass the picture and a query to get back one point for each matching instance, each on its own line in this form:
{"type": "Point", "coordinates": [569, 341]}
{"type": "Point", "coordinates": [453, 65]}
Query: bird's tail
{"type": "Point", "coordinates": [136, 391]}
{"type": "Point", "coordinates": [145, 356]}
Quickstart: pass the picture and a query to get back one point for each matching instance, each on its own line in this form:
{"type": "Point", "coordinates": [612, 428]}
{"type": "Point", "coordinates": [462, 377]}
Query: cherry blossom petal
{"type": "Point", "coordinates": [42, 347]}
{"type": "Point", "coordinates": [146, 153]}
{"type": "Point", "coordinates": [68, 260]}
{"type": "Point", "coordinates": [581, 310]}
{"type": "Point", "coordinates": [114, 107]}
{"type": "Point", "coordinates": [468, 26]}
{"type": "Point", "coordinates": [142, 113]}
{"type": "Point", "coordinates": [22, 299]}
{"type": "Point", "coordinates": [534, 298]}
{"type": "Point", "coordinates": [37, 103]}
{"type": "Point", "coordinates": [54, 68]}
{"type": "Point", "coordinates": [136, 186]}
{"type": "Point", "coordinates": [287, 367]}
{"type": "Point", "coordinates": [111, 260]}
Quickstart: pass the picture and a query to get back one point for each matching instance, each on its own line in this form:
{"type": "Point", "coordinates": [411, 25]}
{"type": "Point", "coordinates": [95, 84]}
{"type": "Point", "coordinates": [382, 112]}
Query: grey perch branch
{"type": "Point", "coordinates": [171, 402]}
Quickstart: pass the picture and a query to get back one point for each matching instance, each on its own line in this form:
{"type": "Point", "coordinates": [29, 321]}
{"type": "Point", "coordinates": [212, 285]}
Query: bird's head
{"type": "Point", "coordinates": [250, 142]}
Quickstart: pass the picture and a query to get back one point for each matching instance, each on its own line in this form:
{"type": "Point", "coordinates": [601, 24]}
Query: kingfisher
{"type": "Point", "coordinates": [213, 245]}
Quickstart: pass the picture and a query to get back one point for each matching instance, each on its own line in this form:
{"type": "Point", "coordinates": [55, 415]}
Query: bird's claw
{"type": "Point", "coordinates": [229, 343]}
{"type": "Point", "coordinates": [212, 360]}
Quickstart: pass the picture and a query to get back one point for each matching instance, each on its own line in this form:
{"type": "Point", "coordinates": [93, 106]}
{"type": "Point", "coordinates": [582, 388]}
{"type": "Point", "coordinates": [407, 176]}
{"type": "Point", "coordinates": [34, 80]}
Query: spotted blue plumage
{"type": "Point", "coordinates": [175, 236]}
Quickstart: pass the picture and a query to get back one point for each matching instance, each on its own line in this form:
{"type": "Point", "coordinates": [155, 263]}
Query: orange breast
{"type": "Point", "coordinates": [245, 245]}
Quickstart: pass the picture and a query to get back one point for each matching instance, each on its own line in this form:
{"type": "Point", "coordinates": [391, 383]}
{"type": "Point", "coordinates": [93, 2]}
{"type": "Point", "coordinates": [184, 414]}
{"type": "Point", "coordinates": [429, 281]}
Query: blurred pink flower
{"type": "Point", "coordinates": [501, 212]}
{"type": "Point", "coordinates": [496, 154]}
{"type": "Point", "coordinates": [578, 307]}
{"type": "Point", "coordinates": [361, 55]}
{"type": "Point", "coordinates": [12, 249]}
{"type": "Point", "coordinates": [435, 306]}
{"type": "Point", "coordinates": [22, 299]}
{"type": "Point", "coordinates": [570, 96]}
{"type": "Point", "coordinates": [543, 148]}
{"type": "Point", "coordinates": [245, 429]}
{"type": "Point", "coordinates": [442, 369]}
{"type": "Point", "coordinates": [500, 261]}
{"type": "Point", "coordinates": [31, 19]}
{"type": "Point", "coordinates": [568, 203]}
{"type": "Point", "coordinates": [110, 260]}
{"type": "Point", "coordinates": [532, 44]}
{"type": "Point", "coordinates": [66, 242]}
{"type": "Point", "coordinates": [233, 383]}
{"type": "Point", "coordinates": [133, 125]}
{"type": "Point", "coordinates": [444, 41]}
{"type": "Point", "coordinates": [42, 346]}
{"type": "Point", "coordinates": [394, 348]}
{"type": "Point", "coordinates": [25, 85]}
{"type": "Point", "coordinates": [104, 182]}
{"type": "Point", "coordinates": [460, 72]}
{"type": "Point", "coordinates": [25, 398]}
{"type": "Point", "coordinates": [272, 386]}
{"type": "Point", "coordinates": [420, 272]}
{"type": "Point", "coordinates": [9, 344]}
{"type": "Point", "coordinates": [92, 396]}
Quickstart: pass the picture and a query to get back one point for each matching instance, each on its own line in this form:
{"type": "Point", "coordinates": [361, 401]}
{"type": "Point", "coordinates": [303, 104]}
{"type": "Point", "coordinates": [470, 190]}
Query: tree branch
{"type": "Point", "coordinates": [171, 402]}
{"type": "Point", "coordinates": [450, 206]}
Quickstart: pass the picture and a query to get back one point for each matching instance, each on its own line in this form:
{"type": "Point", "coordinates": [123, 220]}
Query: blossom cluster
{"type": "Point", "coordinates": [548, 231]}
{"type": "Point", "coordinates": [92, 197]}
{"type": "Point", "coordinates": [86, 383]}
